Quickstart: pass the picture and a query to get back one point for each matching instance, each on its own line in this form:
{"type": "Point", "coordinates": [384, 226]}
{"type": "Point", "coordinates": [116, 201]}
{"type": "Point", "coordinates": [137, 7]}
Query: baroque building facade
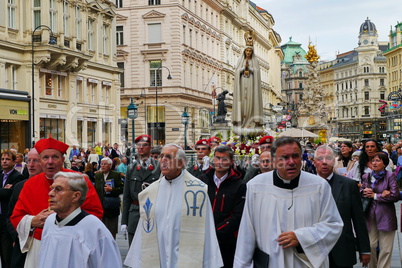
{"type": "Point", "coordinates": [197, 44]}
{"type": "Point", "coordinates": [394, 93]}
{"type": "Point", "coordinates": [359, 84]}
{"type": "Point", "coordinates": [58, 72]}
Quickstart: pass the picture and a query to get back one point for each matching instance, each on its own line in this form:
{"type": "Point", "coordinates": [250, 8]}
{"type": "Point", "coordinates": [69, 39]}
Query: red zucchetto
{"type": "Point", "coordinates": [51, 143]}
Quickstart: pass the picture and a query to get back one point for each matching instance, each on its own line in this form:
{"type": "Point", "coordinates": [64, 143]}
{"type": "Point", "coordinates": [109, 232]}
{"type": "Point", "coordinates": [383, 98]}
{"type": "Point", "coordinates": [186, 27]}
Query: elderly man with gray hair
{"type": "Point", "coordinates": [176, 227]}
{"type": "Point", "coordinates": [72, 237]}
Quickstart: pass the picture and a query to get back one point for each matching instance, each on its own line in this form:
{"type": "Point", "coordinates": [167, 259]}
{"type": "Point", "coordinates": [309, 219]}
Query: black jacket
{"type": "Point", "coordinates": [227, 205]}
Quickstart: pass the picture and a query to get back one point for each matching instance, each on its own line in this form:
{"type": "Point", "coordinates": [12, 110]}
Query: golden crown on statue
{"type": "Point", "coordinates": [249, 37]}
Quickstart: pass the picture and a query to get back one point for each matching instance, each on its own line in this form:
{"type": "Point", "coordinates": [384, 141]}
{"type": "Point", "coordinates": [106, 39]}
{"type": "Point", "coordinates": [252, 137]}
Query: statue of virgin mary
{"type": "Point", "coordinates": [247, 112]}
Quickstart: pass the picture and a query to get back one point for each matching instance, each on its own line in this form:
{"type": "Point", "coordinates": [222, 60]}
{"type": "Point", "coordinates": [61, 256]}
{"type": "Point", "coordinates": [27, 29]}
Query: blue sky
{"type": "Point", "coordinates": [331, 25]}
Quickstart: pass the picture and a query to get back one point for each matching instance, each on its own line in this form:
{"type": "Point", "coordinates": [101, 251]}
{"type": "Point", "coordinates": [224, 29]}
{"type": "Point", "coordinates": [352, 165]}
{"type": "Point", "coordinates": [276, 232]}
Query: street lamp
{"type": "Point", "coordinates": [184, 120]}
{"type": "Point", "coordinates": [52, 41]}
{"type": "Point", "coordinates": [132, 113]}
{"type": "Point", "coordinates": [156, 98]}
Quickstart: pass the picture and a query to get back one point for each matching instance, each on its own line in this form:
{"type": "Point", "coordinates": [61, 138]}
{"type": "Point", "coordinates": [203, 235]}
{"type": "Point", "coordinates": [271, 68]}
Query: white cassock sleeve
{"type": "Point", "coordinates": [318, 240]}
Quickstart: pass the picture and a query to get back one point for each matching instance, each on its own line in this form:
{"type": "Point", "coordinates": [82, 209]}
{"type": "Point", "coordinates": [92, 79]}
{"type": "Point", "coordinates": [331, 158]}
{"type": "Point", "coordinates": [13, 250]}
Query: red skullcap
{"type": "Point", "coordinates": [50, 143]}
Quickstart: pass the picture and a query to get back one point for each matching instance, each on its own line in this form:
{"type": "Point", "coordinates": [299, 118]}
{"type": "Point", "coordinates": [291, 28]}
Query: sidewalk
{"type": "Point", "coordinates": [396, 261]}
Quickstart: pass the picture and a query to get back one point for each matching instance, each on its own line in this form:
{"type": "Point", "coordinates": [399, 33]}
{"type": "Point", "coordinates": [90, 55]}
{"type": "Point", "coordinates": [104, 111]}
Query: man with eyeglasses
{"type": "Point", "coordinates": [32, 207]}
{"type": "Point", "coordinates": [203, 149]}
{"type": "Point", "coordinates": [265, 165]}
{"type": "Point", "coordinates": [290, 218]}
{"type": "Point", "coordinates": [72, 237]}
{"type": "Point", "coordinates": [144, 171]}
{"type": "Point", "coordinates": [226, 192]}
{"type": "Point", "coordinates": [176, 228]}
{"type": "Point", "coordinates": [347, 198]}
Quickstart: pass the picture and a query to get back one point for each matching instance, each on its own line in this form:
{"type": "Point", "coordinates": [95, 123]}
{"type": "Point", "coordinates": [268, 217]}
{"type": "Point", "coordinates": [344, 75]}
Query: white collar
{"type": "Point", "coordinates": [69, 217]}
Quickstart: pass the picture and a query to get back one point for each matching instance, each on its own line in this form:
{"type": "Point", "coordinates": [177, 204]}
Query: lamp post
{"type": "Point", "coordinates": [156, 99]}
{"type": "Point", "coordinates": [144, 95]}
{"type": "Point", "coordinates": [184, 120]}
{"type": "Point", "coordinates": [52, 41]}
{"type": "Point", "coordinates": [132, 113]}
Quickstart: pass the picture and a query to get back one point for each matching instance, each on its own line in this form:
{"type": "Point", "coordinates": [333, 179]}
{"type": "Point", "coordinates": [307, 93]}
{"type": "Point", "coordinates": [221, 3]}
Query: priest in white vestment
{"type": "Point", "coordinates": [71, 237]}
{"type": "Point", "coordinates": [289, 215]}
{"type": "Point", "coordinates": [176, 228]}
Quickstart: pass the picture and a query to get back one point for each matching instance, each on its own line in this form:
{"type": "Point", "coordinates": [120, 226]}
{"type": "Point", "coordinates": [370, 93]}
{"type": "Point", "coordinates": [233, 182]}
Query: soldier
{"type": "Point", "coordinates": [139, 175]}
{"type": "Point", "coordinates": [203, 149]}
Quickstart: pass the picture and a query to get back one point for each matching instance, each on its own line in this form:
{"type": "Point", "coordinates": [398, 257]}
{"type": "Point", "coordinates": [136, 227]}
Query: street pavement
{"type": "Point", "coordinates": [396, 261]}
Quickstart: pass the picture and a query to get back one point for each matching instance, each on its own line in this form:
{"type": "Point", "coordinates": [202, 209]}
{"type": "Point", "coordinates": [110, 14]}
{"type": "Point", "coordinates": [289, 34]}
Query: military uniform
{"type": "Point", "coordinates": [137, 178]}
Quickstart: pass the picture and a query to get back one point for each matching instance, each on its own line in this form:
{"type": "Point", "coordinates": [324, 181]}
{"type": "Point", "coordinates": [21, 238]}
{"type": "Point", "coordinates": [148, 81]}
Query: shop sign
{"type": "Point", "coordinates": [14, 110]}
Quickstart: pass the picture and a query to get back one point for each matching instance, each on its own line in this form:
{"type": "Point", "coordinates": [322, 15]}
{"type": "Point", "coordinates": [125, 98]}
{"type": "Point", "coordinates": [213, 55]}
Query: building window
{"type": "Point", "coordinates": [55, 127]}
{"type": "Point", "coordinates": [154, 2]}
{"type": "Point", "coordinates": [366, 95]}
{"type": "Point", "coordinates": [155, 74]}
{"type": "Point", "coordinates": [91, 92]}
{"type": "Point", "coordinates": [120, 65]}
{"type": "Point", "coordinates": [382, 95]}
{"type": "Point", "coordinates": [12, 13]}
{"type": "Point", "coordinates": [366, 82]}
{"type": "Point", "coordinates": [154, 33]}
{"type": "Point", "coordinates": [366, 110]}
{"type": "Point", "coordinates": [300, 74]}
{"type": "Point", "coordinates": [90, 34]}
{"type": "Point", "coordinates": [54, 82]}
{"type": "Point", "coordinates": [119, 35]}
{"type": "Point", "coordinates": [191, 38]}
{"type": "Point", "coordinates": [78, 90]}
{"type": "Point", "coordinates": [107, 95]}
{"type": "Point", "coordinates": [184, 34]}
{"type": "Point", "coordinates": [78, 23]}
{"type": "Point", "coordinates": [36, 13]}
{"type": "Point", "coordinates": [53, 15]}
{"type": "Point", "coordinates": [382, 82]}
{"type": "Point", "coordinates": [66, 18]}
{"type": "Point", "coordinates": [105, 39]}
{"type": "Point", "coordinates": [49, 85]}
{"type": "Point", "coordinates": [119, 3]}
{"type": "Point", "coordinates": [300, 85]}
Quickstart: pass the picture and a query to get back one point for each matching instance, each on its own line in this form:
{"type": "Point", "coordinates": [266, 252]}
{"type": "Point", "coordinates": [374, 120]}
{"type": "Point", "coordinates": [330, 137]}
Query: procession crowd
{"type": "Point", "coordinates": [316, 205]}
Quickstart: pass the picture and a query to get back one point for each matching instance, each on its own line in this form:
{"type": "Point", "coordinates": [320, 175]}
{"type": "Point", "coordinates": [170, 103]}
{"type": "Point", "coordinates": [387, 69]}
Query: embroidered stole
{"type": "Point", "coordinates": [192, 226]}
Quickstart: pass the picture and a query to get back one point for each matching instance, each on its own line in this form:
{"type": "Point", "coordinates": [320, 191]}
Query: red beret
{"type": "Point", "coordinates": [214, 139]}
{"type": "Point", "coordinates": [202, 142]}
{"type": "Point", "coordinates": [144, 137]}
{"type": "Point", "coordinates": [51, 143]}
{"type": "Point", "coordinates": [266, 139]}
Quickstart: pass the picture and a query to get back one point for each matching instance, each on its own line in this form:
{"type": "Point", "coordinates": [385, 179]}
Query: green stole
{"type": "Point", "coordinates": [192, 227]}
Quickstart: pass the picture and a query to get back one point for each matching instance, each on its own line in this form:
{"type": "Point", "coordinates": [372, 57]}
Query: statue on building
{"type": "Point", "coordinates": [222, 110]}
{"type": "Point", "coordinates": [247, 114]}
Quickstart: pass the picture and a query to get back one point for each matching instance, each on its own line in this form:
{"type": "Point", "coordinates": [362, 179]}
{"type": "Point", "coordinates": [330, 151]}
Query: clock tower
{"type": "Point", "coordinates": [368, 34]}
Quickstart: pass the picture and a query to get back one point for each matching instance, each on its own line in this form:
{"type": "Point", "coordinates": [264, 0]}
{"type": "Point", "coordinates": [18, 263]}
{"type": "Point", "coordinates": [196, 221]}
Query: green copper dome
{"type": "Point", "coordinates": [294, 53]}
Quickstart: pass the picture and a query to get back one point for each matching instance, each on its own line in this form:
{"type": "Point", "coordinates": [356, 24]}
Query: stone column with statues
{"type": "Point", "coordinates": [311, 111]}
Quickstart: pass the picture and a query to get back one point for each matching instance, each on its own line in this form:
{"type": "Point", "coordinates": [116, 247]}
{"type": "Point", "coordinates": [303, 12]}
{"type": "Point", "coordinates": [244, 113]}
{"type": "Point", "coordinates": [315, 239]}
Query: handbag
{"type": "Point", "coordinates": [366, 201]}
{"type": "Point", "coordinates": [111, 203]}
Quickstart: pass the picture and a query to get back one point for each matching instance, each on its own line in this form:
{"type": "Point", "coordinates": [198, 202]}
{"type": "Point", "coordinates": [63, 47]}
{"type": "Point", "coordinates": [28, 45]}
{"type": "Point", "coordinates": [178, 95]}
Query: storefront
{"type": "Point", "coordinates": [14, 120]}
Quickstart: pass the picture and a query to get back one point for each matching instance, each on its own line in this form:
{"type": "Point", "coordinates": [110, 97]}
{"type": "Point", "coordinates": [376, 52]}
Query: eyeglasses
{"type": "Point", "coordinates": [321, 158]}
{"type": "Point", "coordinates": [142, 145]}
{"type": "Point", "coordinates": [59, 189]}
{"type": "Point", "coordinates": [265, 161]}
